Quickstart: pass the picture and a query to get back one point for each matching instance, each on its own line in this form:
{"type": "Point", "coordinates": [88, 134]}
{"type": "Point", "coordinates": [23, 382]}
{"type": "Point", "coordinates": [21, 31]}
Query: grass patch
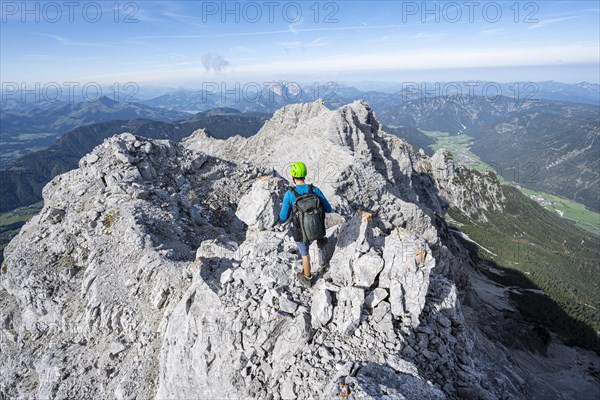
{"type": "Point", "coordinates": [459, 146]}
{"type": "Point", "coordinates": [25, 137]}
{"type": "Point", "coordinates": [12, 221]}
{"type": "Point", "coordinates": [22, 214]}
{"type": "Point", "coordinates": [109, 221]}
{"type": "Point", "coordinates": [576, 212]}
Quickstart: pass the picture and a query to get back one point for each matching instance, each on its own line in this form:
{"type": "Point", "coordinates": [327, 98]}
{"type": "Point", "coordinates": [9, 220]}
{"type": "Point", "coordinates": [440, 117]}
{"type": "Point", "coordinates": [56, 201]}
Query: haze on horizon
{"type": "Point", "coordinates": [185, 43]}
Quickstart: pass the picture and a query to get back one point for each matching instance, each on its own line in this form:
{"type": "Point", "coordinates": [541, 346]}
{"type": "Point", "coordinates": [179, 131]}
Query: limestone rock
{"type": "Point", "coordinates": [354, 239]}
{"type": "Point", "coordinates": [375, 297]}
{"type": "Point", "coordinates": [374, 381]}
{"type": "Point", "coordinates": [321, 309]}
{"type": "Point", "coordinates": [366, 268]}
{"type": "Point", "coordinates": [260, 207]}
{"type": "Point", "coordinates": [408, 263]}
{"type": "Point", "coordinates": [348, 311]}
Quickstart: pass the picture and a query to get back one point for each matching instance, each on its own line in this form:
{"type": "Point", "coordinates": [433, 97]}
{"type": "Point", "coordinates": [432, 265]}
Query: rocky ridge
{"type": "Point", "coordinates": [159, 270]}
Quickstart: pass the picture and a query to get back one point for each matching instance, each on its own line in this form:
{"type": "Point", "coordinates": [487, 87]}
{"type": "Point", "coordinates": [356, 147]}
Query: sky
{"type": "Point", "coordinates": [189, 43]}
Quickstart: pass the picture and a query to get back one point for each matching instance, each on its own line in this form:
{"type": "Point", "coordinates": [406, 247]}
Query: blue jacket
{"type": "Point", "coordinates": [289, 198]}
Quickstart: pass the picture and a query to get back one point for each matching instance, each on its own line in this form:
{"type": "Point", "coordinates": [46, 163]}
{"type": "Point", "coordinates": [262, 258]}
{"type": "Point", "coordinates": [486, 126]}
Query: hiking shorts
{"type": "Point", "coordinates": [303, 247]}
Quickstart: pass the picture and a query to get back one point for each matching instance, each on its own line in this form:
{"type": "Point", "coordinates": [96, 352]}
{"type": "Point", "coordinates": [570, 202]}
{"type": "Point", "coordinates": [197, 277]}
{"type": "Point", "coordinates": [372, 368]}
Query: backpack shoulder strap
{"type": "Point", "coordinates": [310, 188]}
{"type": "Point", "coordinates": [293, 190]}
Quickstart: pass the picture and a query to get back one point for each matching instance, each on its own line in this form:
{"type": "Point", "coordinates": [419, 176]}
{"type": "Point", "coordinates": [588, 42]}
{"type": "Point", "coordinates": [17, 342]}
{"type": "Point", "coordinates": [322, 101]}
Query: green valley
{"type": "Point", "coordinates": [12, 221]}
{"type": "Point", "coordinates": [459, 146]}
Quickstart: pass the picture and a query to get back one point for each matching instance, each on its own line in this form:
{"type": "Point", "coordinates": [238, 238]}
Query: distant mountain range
{"type": "Point", "coordinates": [23, 181]}
{"type": "Point", "coordinates": [65, 117]}
{"type": "Point", "coordinates": [269, 98]}
{"type": "Point", "coordinates": [453, 114]}
{"type": "Point", "coordinates": [26, 129]}
{"type": "Point", "coordinates": [543, 144]}
{"type": "Point", "coordinates": [582, 92]}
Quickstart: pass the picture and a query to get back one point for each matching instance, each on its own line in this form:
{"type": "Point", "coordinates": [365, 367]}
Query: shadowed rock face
{"type": "Point", "coordinates": [159, 270]}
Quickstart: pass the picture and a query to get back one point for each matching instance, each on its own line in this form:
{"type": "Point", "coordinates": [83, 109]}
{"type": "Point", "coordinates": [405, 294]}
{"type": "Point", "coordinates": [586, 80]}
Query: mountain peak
{"type": "Point", "coordinates": [340, 147]}
{"type": "Point", "coordinates": [107, 101]}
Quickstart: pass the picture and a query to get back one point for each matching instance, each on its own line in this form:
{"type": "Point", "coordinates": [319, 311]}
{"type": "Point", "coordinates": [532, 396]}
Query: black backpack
{"type": "Point", "coordinates": [308, 216]}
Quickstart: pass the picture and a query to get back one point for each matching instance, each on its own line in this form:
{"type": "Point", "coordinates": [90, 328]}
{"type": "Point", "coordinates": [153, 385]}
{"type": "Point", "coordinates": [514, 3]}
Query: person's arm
{"type": "Point", "coordinates": [326, 204]}
{"type": "Point", "coordinates": [285, 207]}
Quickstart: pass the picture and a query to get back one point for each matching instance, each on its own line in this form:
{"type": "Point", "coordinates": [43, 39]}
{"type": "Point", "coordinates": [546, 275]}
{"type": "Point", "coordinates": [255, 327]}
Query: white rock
{"type": "Point", "coordinates": [375, 297]}
{"type": "Point", "coordinates": [408, 262]}
{"type": "Point", "coordinates": [125, 159]}
{"type": "Point", "coordinates": [226, 276]}
{"type": "Point", "coordinates": [160, 299]}
{"type": "Point", "coordinates": [354, 239]}
{"type": "Point", "coordinates": [287, 390]}
{"type": "Point", "coordinates": [286, 305]}
{"type": "Point", "coordinates": [348, 310]}
{"type": "Point", "coordinates": [220, 247]}
{"type": "Point", "coordinates": [128, 137]}
{"type": "Point", "coordinates": [91, 159]}
{"type": "Point", "coordinates": [321, 309]}
{"type": "Point", "coordinates": [259, 208]}
{"type": "Point", "coordinates": [117, 348]}
{"type": "Point", "coordinates": [366, 268]}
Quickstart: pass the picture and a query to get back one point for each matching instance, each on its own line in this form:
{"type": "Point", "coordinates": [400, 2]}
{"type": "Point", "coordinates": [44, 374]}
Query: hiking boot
{"type": "Point", "coordinates": [304, 280]}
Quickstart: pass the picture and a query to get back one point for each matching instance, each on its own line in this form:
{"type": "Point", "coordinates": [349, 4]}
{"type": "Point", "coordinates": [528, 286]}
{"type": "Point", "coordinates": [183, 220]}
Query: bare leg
{"type": "Point", "coordinates": [306, 265]}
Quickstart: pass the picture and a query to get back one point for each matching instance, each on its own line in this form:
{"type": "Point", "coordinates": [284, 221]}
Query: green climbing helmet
{"type": "Point", "coordinates": [298, 170]}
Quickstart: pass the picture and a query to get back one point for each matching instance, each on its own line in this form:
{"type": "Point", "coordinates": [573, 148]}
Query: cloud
{"type": "Point", "coordinates": [424, 35]}
{"type": "Point", "coordinates": [242, 49]}
{"type": "Point", "coordinates": [543, 23]}
{"type": "Point", "coordinates": [366, 64]}
{"type": "Point", "coordinates": [215, 62]}
{"type": "Point", "coordinates": [69, 42]}
{"type": "Point", "coordinates": [319, 42]}
{"type": "Point", "coordinates": [429, 59]}
{"type": "Point", "coordinates": [293, 27]}
{"type": "Point", "coordinates": [491, 32]}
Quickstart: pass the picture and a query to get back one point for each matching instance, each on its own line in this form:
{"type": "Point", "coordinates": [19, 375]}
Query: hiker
{"type": "Point", "coordinates": [308, 206]}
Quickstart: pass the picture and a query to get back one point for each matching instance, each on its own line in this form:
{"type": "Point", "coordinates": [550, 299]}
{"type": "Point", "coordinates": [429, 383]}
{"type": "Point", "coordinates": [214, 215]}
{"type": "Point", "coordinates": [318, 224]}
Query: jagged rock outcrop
{"type": "Point", "coordinates": [259, 207]}
{"type": "Point", "coordinates": [88, 278]}
{"type": "Point", "coordinates": [472, 192]}
{"type": "Point", "coordinates": [260, 322]}
{"type": "Point", "coordinates": [348, 156]}
{"type": "Point", "coordinates": [159, 270]}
